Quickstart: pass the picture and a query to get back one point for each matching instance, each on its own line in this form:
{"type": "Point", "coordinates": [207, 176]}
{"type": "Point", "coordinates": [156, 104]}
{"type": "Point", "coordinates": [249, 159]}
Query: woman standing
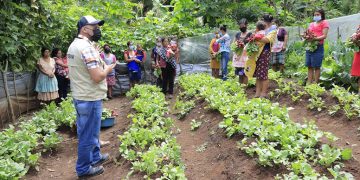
{"type": "Point", "coordinates": [61, 72]}
{"type": "Point", "coordinates": [109, 58]}
{"type": "Point", "coordinates": [279, 48]}
{"type": "Point", "coordinates": [156, 70]}
{"type": "Point", "coordinates": [214, 61]}
{"type": "Point", "coordinates": [46, 84]}
{"type": "Point", "coordinates": [320, 28]}
{"type": "Point", "coordinates": [355, 69]}
{"type": "Point", "coordinates": [262, 63]}
{"type": "Point", "coordinates": [133, 64]}
{"type": "Point", "coordinates": [167, 59]}
{"type": "Point", "coordinates": [240, 59]}
{"type": "Point", "coordinates": [225, 42]}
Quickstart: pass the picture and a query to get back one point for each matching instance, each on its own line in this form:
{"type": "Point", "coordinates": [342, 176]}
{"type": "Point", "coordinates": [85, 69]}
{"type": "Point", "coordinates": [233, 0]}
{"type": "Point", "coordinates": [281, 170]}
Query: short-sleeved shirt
{"type": "Point", "coordinates": [225, 42]}
{"type": "Point", "coordinates": [60, 70]}
{"type": "Point", "coordinates": [317, 28]}
{"type": "Point", "coordinates": [132, 66]}
{"type": "Point", "coordinates": [281, 34]}
{"type": "Point", "coordinates": [83, 56]}
{"type": "Point", "coordinates": [110, 59]}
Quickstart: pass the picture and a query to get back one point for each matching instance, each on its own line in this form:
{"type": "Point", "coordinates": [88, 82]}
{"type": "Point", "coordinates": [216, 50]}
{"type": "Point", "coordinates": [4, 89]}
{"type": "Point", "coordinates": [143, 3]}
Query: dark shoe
{"type": "Point", "coordinates": [94, 171]}
{"type": "Point", "coordinates": [103, 159]}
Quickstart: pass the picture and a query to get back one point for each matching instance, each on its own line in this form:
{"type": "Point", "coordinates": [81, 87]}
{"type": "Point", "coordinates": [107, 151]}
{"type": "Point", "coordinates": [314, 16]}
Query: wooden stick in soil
{"type": "Point", "coordinates": [28, 94]}
{"type": "Point", "coordinates": [16, 96]}
{"type": "Point", "coordinates": [7, 92]}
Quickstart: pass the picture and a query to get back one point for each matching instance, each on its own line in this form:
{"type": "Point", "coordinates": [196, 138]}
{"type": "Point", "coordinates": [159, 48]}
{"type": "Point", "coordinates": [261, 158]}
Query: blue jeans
{"type": "Point", "coordinates": [225, 57]}
{"type": "Point", "coordinates": [88, 122]}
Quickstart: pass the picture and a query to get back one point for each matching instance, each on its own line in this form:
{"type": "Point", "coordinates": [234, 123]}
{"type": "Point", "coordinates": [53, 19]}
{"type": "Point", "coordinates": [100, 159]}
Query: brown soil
{"type": "Point", "coordinates": [60, 164]}
{"type": "Point", "coordinates": [218, 159]}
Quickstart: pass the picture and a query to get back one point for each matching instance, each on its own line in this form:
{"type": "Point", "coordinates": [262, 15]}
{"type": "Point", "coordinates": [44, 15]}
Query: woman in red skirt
{"type": "Point", "coordinates": [355, 69]}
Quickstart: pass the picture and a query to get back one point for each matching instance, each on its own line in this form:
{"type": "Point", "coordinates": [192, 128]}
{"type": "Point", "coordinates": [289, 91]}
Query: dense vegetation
{"type": "Point", "coordinates": [21, 147]}
{"type": "Point", "coordinates": [269, 135]}
{"type": "Point", "coordinates": [26, 25]}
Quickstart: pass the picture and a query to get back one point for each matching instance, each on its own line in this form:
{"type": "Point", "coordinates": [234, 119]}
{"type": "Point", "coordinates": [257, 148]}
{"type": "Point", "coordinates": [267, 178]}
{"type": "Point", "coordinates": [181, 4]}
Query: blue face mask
{"type": "Point", "coordinates": [220, 33]}
{"type": "Point", "coordinates": [317, 18]}
{"type": "Point", "coordinates": [132, 47]}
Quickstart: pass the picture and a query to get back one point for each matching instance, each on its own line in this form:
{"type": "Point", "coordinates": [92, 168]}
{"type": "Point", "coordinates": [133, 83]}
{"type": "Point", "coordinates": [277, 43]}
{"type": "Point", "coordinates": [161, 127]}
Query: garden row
{"type": "Point", "coordinates": [268, 132]}
{"type": "Point", "coordinates": [348, 102]}
{"type": "Point", "coordinates": [21, 147]}
{"type": "Point", "coordinates": [148, 143]}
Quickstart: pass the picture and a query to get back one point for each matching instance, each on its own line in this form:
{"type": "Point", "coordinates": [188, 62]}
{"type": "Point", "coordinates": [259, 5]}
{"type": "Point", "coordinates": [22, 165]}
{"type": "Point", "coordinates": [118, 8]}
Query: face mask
{"type": "Point", "coordinates": [243, 29]}
{"type": "Point", "coordinates": [220, 33]}
{"type": "Point", "coordinates": [132, 48]}
{"type": "Point", "coordinates": [107, 50]}
{"type": "Point", "coordinates": [158, 44]}
{"type": "Point", "coordinates": [317, 18]}
{"type": "Point", "coordinates": [97, 35]}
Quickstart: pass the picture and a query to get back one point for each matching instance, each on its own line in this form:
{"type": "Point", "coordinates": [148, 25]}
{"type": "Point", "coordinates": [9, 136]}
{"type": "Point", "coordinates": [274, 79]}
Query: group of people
{"type": "Point", "coordinates": [271, 40]}
{"type": "Point", "coordinates": [90, 69]}
{"type": "Point", "coordinates": [92, 75]}
{"type": "Point", "coordinates": [165, 55]}
{"type": "Point", "coordinates": [53, 80]}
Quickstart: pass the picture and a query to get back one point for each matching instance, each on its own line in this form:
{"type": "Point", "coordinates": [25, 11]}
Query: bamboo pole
{"type": "Point", "coordinates": [7, 92]}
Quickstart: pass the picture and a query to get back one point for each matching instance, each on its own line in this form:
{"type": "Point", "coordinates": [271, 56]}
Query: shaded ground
{"type": "Point", "coordinates": [206, 152]}
{"type": "Point", "coordinates": [61, 163]}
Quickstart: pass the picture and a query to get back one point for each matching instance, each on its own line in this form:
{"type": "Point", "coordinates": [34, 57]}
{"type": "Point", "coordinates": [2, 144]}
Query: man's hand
{"type": "Point", "coordinates": [109, 68]}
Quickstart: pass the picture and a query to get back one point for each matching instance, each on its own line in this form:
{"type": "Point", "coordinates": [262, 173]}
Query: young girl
{"type": "Point", "coordinates": [250, 64]}
{"type": "Point", "coordinates": [225, 42]}
{"type": "Point", "coordinates": [238, 59]}
{"type": "Point", "coordinates": [109, 59]}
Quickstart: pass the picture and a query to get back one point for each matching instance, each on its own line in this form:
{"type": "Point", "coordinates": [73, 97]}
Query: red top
{"type": "Point", "coordinates": [317, 28]}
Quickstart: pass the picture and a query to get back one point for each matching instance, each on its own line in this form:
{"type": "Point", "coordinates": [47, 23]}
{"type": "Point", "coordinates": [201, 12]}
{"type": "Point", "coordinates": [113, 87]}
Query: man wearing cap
{"type": "Point", "coordinates": [87, 73]}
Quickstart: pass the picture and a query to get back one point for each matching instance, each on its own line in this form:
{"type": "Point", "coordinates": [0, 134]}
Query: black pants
{"type": "Point", "coordinates": [168, 79]}
{"type": "Point", "coordinates": [63, 84]}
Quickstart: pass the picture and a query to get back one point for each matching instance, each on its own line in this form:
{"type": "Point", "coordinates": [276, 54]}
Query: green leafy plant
{"type": "Point", "coordinates": [276, 139]}
{"type": "Point", "coordinates": [334, 109]}
{"type": "Point", "coordinates": [183, 107]}
{"type": "Point", "coordinates": [106, 113]}
{"type": "Point", "coordinates": [195, 124]}
{"type": "Point", "coordinates": [148, 143]}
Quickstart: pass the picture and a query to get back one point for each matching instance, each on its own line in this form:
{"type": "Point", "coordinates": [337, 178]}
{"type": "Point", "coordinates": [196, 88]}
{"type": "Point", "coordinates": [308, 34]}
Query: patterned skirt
{"type": "Point", "coordinates": [262, 65]}
{"type": "Point", "coordinates": [110, 80]}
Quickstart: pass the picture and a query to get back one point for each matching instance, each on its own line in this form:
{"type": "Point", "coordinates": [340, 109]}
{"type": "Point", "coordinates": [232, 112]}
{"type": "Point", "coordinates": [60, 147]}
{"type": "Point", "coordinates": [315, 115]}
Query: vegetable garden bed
{"type": "Point", "coordinates": [206, 151]}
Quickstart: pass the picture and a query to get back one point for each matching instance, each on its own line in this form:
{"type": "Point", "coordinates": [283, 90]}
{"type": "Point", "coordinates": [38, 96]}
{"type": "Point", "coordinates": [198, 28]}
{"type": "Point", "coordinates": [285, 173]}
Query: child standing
{"type": "Point", "coordinates": [109, 59]}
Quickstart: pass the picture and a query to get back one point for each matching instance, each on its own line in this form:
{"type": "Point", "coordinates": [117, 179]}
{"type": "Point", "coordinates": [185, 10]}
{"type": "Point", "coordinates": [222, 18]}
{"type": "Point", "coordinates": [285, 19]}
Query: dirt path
{"type": "Point", "coordinates": [220, 159]}
{"type": "Point", "coordinates": [339, 125]}
{"type": "Point", "coordinates": [61, 163]}
{"type": "Point", "coordinates": [206, 152]}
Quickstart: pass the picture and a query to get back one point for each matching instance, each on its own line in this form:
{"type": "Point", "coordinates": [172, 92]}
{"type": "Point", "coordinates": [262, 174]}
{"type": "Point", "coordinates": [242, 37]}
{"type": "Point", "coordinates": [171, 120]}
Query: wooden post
{"type": "Point", "coordinates": [7, 92]}
{"type": "Point", "coordinates": [338, 33]}
{"type": "Point", "coordinates": [28, 94]}
{"type": "Point", "coordinates": [16, 96]}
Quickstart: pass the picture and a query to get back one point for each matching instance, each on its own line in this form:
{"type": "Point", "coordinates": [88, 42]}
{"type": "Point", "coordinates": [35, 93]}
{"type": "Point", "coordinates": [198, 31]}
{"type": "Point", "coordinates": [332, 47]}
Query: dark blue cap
{"type": "Point", "coordinates": [88, 20]}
